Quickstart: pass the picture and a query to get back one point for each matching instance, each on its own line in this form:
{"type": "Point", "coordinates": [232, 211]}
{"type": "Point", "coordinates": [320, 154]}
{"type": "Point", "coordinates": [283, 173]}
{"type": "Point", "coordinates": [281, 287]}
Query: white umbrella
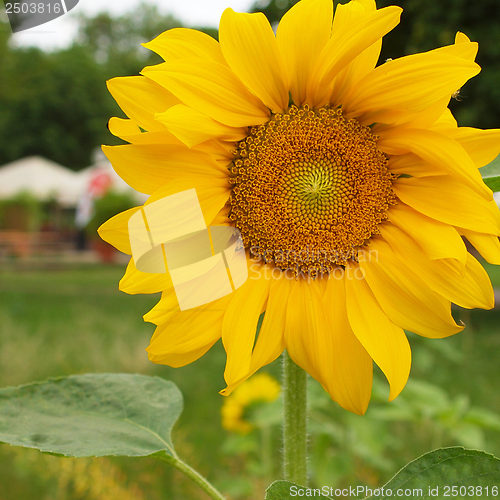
{"type": "Point", "coordinates": [42, 178]}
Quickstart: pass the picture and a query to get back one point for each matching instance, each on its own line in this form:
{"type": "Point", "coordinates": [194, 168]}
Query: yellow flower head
{"type": "Point", "coordinates": [351, 184]}
{"type": "Point", "coordinates": [260, 388]}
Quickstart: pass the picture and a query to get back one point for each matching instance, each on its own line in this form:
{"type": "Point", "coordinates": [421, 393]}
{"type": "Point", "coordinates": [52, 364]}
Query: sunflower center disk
{"type": "Point", "coordinates": [309, 189]}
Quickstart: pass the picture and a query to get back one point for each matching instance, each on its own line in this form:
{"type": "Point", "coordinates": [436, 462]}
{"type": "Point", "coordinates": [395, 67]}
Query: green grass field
{"type": "Point", "coordinates": [59, 322]}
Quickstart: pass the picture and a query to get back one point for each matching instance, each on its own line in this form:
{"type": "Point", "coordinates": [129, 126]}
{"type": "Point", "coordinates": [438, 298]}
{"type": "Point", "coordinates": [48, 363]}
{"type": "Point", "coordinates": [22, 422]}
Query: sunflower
{"type": "Point", "coordinates": [351, 184]}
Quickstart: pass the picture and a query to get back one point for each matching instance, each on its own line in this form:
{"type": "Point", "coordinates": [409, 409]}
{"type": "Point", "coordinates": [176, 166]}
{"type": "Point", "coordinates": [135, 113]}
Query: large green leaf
{"type": "Point", "coordinates": [284, 490]}
{"type": "Point", "coordinates": [435, 473]}
{"type": "Point", "coordinates": [92, 415]}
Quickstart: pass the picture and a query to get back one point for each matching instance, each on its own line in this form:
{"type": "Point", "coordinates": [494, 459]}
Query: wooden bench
{"type": "Point", "coordinates": [24, 244]}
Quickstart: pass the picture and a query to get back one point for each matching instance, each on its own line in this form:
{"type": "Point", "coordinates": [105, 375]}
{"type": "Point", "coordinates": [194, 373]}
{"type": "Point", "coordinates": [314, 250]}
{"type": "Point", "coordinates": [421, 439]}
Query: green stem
{"type": "Point", "coordinates": [294, 423]}
{"type": "Point", "coordinates": [195, 476]}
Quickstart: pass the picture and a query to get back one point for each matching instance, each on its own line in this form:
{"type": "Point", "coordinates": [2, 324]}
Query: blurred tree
{"type": "Point", "coordinates": [52, 104]}
{"type": "Point", "coordinates": [5, 32]}
{"type": "Point", "coordinates": [7, 22]}
{"type": "Point", "coordinates": [56, 104]}
{"type": "Point", "coordinates": [272, 9]}
{"type": "Point", "coordinates": [427, 24]}
{"type": "Point", "coordinates": [115, 42]}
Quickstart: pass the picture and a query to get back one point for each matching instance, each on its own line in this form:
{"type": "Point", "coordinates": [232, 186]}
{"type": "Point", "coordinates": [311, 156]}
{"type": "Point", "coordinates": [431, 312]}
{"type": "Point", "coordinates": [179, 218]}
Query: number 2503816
{"type": "Point", "coordinates": [470, 491]}
{"type": "Point", "coordinates": [33, 8]}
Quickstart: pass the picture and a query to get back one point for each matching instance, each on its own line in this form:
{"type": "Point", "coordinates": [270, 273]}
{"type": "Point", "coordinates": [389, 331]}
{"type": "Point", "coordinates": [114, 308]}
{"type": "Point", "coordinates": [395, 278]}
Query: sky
{"type": "Point", "coordinates": [60, 31]}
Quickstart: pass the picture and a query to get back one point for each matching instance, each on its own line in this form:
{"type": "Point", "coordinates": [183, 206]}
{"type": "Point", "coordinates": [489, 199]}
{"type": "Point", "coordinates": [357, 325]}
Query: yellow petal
{"type": "Point", "coordinates": [443, 153]}
{"type": "Point", "coordinates": [468, 287]}
{"type": "Point", "coordinates": [435, 115]}
{"type": "Point", "coordinates": [187, 335]}
{"type": "Point", "coordinates": [304, 326]}
{"type": "Point", "coordinates": [210, 88]}
{"type": "Point", "coordinates": [411, 164]}
{"type": "Point", "coordinates": [471, 290]}
{"type": "Point", "coordinates": [395, 118]}
{"type": "Point", "coordinates": [487, 245]}
{"type": "Point", "coordinates": [302, 33]}
{"type": "Point", "coordinates": [240, 325]}
{"type": "Point", "coordinates": [168, 306]}
{"type": "Point", "coordinates": [115, 230]}
{"type": "Point", "coordinates": [469, 50]}
{"type": "Point", "coordinates": [163, 137]}
{"type": "Point", "coordinates": [350, 77]}
{"type": "Point", "coordinates": [437, 240]}
{"type": "Point", "coordinates": [483, 146]}
{"type": "Point", "coordinates": [177, 358]}
{"type": "Point", "coordinates": [180, 43]}
{"type": "Point", "coordinates": [135, 281]}
{"type": "Point", "coordinates": [446, 199]}
{"type": "Point", "coordinates": [129, 131]}
{"type": "Point", "coordinates": [351, 369]}
{"type": "Point", "coordinates": [218, 149]}
{"type": "Point", "coordinates": [222, 217]}
{"type": "Point", "coordinates": [270, 341]}
{"type": "Point", "coordinates": [147, 167]}
{"type": "Point", "coordinates": [361, 65]}
{"type": "Point", "coordinates": [445, 122]}
{"type": "Point", "coordinates": [123, 127]}
{"type": "Point", "coordinates": [385, 342]}
{"type": "Point", "coordinates": [164, 309]}
{"type": "Point", "coordinates": [193, 127]}
{"type": "Point", "coordinates": [348, 41]}
{"type": "Point", "coordinates": [249, 47]}
{"type": "Point", "coordinates": [411, 84]}
{"type": "Point", "coordinates": [404, 296]}
{"type": "Point", "coordinates": [319, 339]}
{"type": "Point", "coordinates": [212, 198]}
{"type": "Point", "coordinates": [141, 99]}
{"type": "Point", "coordinates": [402, 243]}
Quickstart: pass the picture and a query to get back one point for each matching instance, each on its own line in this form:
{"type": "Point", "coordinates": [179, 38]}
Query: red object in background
{"type": "Point", "coordinates": [99, 183]}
